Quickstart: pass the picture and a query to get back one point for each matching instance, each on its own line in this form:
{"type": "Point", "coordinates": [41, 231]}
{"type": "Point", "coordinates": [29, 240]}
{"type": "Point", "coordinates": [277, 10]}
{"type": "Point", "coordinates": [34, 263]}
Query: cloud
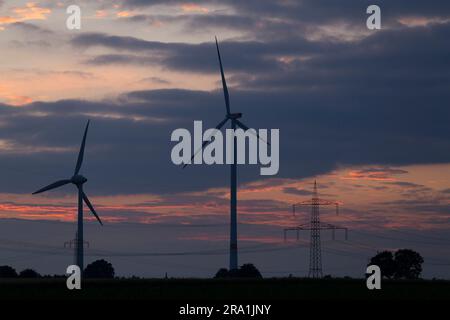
{"type": "Point", "coordinates": [27, 27]}
{"type": "Point", "coordinates": [100, 14]}
{"type": "Point", "coordinates": [17, 100]}
{"type": "Point", "coordinates": [240, 55]}
{"type": "Point", "coordinates": [295, 191]}
{"type": "Point", "coordinates": [7, 146]}
{"type": "Point", "coordinates": [124, 14]}
{"type": "Point", "coordinates": [28, 44]}
{"type": "Point", "coordinates": [142, 148]}
{"type": "Point", "coordinates": [406, 184]}
{"type": "Point", "coordinates": [285, 19]}
{"type": "Point", "coordinates": [109, 59]}
{"type": "Point", "coordinates": [377, 174]}
{"type": "Point", "coordinates": [31, 11]}
{"type": "Point", "coordinates": [193, 7]}
{"type": "Point", "coordinates": [422, 21]}
{"type": "Point", "coordinates": [155, 80]}
{"type": "Point", "coordinates": [378, 62]}
{"type": "Point", "coordinates": [377, 100]}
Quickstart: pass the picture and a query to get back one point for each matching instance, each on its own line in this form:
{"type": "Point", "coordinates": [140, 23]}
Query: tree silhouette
{"type": "Point", "coordinates": [403, 264]}
{"type": "Point", "coordinates": [408, 264]}
{"type": "Point", "coordinates": [99, 269]}
{"type": "Point", "coordinates": [249, 271]}
{"type": "Point", "coordinates": [245, 271]}
{"type": "Point", "coordinates": [29, 273]}
{"type": "Point", "coordinates": [7, 272]}
{"type": "Point", "coordinates": [222, 273]}
{"type": "Point", "coordinates": [384, 260]}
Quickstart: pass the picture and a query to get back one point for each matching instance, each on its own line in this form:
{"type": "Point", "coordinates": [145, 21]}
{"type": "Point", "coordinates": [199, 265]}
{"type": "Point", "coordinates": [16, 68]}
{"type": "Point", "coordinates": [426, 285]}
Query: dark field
{"type": "Point", "coordinates": [220, 290]}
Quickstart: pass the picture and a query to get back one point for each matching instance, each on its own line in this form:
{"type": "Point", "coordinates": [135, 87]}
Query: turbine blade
{"type": "Point", "coordinates": [243, 126]}
{"type": "Point", "coordinates": [89, 204]}
{"type": "Point", "coordinates": [224, 82]}
{"type": "Point", "coordinates": [53, 186]}
{"type": "Point", "coordinates": [81, 153]}
{"type": "Point", "coordinates": [208, 141]}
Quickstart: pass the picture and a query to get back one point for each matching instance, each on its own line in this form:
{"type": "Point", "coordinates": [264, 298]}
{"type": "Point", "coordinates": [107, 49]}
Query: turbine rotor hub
{"type": "Point", "coordinates": [235, 115]}
{"type": "Point", "coordinates": [78, 179]}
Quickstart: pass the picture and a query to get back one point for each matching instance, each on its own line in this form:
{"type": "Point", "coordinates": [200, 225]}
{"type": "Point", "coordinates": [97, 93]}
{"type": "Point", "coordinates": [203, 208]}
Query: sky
{"type": "Point", "coordinates": [363, 112]}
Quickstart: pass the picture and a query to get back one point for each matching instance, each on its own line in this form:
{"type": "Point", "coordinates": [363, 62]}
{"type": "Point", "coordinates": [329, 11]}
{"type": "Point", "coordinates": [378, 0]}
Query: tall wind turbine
{"type": "Point", "coordinates": [233, 118]}
{"type": "Point", "coordinates": [78, 180]}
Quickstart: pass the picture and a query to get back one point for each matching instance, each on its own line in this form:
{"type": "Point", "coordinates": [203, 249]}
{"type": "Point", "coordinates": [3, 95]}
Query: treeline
{"type": "Point", "coordinates": [99, 269]}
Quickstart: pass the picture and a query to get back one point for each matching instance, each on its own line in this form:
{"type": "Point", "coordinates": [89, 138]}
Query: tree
{"type": "Point", "coordinates": [7, 272]}
{"type": "Point", "coordinates": [408, 264]}
{"type": "Point", "coordinates": [222, 273]}
{"type": "Point", "coordinates": [29, 273]}
{"type": "Point", "coordinates": [384, 260]}
{"type": "Point", "coordinates": [249, 271]}
{"type": "Point", "coordinates": [403, 264]}
{"type": "Point", "coordinates": [245, 271]}
{"type": "Point", "coordinates": [99, 269]}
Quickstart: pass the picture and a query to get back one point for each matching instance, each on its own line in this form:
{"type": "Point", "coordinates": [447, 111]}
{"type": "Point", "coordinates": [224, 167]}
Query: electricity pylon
{"type": "Point", "coordinates": [73, 244]}
{"type": "Point", "coordinates": [315, 226]}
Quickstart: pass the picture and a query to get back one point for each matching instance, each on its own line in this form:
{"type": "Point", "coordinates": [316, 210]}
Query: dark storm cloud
{"type": "Point", "coordinates": [316, 12]}
{"type": "Point", "coordinates": [129, 156]}
{"type": "Point", "coordinates": [117, 42]}
{"type": "Point", "coordinates": [373, 65]}
{"type": "Point", "coordinates": [322, 10]}
{"type": "Point", "coordinates": [248, 55]}
{"type": "Point", "coordinates": [382, 100]}
{"type": "Point", "coordinates": [151, 51]}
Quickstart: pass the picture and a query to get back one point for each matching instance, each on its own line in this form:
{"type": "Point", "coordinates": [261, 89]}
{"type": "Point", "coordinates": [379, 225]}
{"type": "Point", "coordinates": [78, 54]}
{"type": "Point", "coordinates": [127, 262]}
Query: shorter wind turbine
{"type": "Point", "coordinates": [78, 180]}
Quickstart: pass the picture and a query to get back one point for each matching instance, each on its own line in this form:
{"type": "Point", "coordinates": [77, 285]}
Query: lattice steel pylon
{"type": "Point", "coordinates": [315, 227]}
{"type": "Point", "coordinates": [73, 244]}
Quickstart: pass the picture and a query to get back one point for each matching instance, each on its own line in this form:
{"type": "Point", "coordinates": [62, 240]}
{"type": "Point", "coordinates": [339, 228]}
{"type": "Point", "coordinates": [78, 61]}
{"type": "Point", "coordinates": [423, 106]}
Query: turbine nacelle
{"type": "Point", "coordinates": [78, 180]}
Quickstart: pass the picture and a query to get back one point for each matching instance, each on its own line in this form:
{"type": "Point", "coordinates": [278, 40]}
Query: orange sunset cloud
{"type": "Point", "coordinates": [31, 11]}
{"type": "Point", "coordinates": [192, 7]}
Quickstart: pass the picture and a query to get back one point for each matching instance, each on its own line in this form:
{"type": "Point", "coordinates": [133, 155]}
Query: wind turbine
{"type": "Point", "coordinates": [78, 180]}
{"type": "Point", "coordinates": [233, 118]}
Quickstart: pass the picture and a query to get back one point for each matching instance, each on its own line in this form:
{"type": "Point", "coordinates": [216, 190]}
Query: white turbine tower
{"type": "Point", "coordinates": [233, 117]}
{"type": "Point", "coordinates": [78, 180]}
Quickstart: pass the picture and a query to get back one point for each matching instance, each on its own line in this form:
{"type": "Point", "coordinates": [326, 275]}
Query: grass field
{"type": "Point", "coordinates": [211, 290]}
